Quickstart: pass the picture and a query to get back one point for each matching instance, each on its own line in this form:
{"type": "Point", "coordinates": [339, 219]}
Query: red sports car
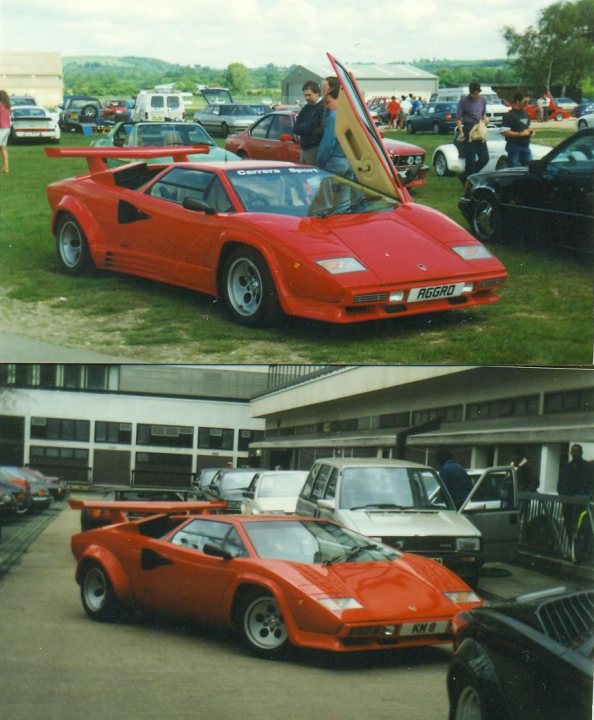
{"type": "Point", "coordinates": [279, 582]}
{"type": "Point", "coordinates": [270, 237]}
{"type": "Point", "coordinates": [273, 138]}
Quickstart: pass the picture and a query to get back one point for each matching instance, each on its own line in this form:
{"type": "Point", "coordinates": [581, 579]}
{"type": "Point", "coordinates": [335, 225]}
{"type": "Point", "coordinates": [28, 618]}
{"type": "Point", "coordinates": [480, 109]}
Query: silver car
{"type": "Point", "coordinates": [223, 119]}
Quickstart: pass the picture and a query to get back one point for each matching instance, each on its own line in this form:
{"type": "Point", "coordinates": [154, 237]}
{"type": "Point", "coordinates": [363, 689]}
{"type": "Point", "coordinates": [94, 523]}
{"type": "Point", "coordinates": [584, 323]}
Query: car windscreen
{"type": "Point", "coordinates": [285, 485]}
{"type": "Point", "coordinates": [304, 191]}
{"type": "Point", "coordinates": [236, 480]}
{"type": "Point", "coordinates": [28, 113]}
{"type": "Point", "coordinates": [314, 542]}
{"type": "Point", "coordinates": [392, 488]}
{"type": "Point", "coordinates": [157, 134]}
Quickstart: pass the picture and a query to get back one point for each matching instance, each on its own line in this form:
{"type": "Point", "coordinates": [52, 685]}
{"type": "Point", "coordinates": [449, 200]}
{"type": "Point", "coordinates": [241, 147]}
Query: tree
{"type": "Point", "coordinates": [237, 77]}
{"type": "Point", "coordinates": [559, 50]}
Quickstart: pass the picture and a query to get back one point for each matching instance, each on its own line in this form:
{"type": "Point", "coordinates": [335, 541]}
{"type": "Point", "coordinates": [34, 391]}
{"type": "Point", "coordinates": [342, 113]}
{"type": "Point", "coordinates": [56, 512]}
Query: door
{"type": "Point", "coordinates": [492, 507]}
{"type": "Point", "coordinates": [111, 467]}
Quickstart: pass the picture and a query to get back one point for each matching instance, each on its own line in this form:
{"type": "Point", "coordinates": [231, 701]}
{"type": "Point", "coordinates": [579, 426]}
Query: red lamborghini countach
{"type": "Point", "coordinates": [277, 581]}
{"type": "Point", "coordinates": [271, 237]}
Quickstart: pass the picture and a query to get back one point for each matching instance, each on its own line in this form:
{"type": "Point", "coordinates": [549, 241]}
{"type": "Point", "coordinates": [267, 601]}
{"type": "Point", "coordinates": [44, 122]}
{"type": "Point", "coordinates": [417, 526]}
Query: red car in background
{"type": "Point", "coordinates": [116, 110]}
{"type": "Point", "coordinates": [276, 581]}
{"type": "Point", "coordinates": [555, 112]}
{"type": "Point", "coordinates": [273, 137]}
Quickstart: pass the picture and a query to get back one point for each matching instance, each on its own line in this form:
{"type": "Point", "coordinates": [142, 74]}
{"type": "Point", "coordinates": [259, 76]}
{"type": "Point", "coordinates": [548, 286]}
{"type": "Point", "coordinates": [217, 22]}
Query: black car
{"type": "Point", "coordinates": [552, 199]}
{"type": "Point", "coordinates": [585, 107]}
{"type": "Point", "coordinates": [228, 484]}
{"type": "Point", "coordinates": [435, 117]}
{"type": "Point", "coordinates": [525, 659]}
{"type": "Point", "coordinates": [77, 110]}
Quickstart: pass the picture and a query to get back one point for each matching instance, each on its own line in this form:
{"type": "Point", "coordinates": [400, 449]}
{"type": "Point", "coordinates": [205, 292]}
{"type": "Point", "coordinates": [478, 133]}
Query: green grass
{"type": "Point", "coordinates": [544, 317]}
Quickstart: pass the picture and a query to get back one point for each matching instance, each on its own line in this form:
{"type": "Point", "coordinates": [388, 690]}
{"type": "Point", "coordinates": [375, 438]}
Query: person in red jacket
{"type": "Point", "coordinates": [4, 128]}
{"type": "Point", "coordinates": [393, 108]}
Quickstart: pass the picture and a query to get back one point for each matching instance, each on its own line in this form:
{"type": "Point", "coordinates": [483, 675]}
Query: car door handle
{"type": "Point", "coordinates": [151, 560]}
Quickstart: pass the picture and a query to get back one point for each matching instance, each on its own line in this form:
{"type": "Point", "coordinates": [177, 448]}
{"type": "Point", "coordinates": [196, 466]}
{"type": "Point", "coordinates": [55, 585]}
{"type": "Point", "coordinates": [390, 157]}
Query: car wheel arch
{"type": "Point", "coordinates": [70, 206]}
{"type": "Point", "coordinates": [471, 662]}
{"type": "Point", "coordinates": [229, 246]}
{"type": "Point", "coordinates": [113, 568]}
{"type": "Point", "coordinates": [249, 586]}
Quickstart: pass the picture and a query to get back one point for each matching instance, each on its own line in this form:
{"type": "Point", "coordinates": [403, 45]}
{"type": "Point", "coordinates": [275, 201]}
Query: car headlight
{"type": "Point", "coordinates": [473, 252]}
{"type": "Point", "coordinates": [336, 604]}
{"type": "Point", "coordinates": [419, 159]}
{"type": "Point", "coordinates": [468, 544]}
{"type": "Point", "coordinates": [462, 596]}
{"type": "Point", "coordinates": [338, 266]}
{"type": "Point", "coordinates": [6, 499]}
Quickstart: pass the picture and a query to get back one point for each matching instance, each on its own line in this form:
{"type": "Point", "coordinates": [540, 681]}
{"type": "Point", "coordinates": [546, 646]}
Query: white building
{"type": "Point", "coordinates": [39, 74]}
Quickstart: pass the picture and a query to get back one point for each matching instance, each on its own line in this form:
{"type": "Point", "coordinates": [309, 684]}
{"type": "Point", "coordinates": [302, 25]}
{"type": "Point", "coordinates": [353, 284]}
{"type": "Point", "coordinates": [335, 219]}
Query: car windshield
{"type": "Point", "coordinates": [311, 542]}
{"type": "Point", "coordinates": [236, 480]}
{"type": "Point", "coordinates": [28, 112]}
{"type": "Point", "coordinates": [75, 104]}
{"type": "Point", "coordinates": [392, 488]}
{"type": "Point", "coordinates": [158, 134]}
{"type": "Point", "coordinates": [282, 485]}
{"type": "Point", "coordinates": [577, 157]}
{"type": "Point", "coordinates": [304, 192]}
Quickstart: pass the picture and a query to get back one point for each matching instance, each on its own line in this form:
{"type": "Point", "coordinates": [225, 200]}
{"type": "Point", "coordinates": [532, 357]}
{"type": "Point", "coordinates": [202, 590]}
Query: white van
{"type": "Point", "coordinates": [495, 107]}
{"type": "Point", "coordinates": [159, 106]}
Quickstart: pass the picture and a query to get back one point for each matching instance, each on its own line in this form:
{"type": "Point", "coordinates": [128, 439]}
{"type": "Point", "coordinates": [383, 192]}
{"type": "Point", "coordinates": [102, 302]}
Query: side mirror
{"type": "Point", "coordinates": [191, 203]}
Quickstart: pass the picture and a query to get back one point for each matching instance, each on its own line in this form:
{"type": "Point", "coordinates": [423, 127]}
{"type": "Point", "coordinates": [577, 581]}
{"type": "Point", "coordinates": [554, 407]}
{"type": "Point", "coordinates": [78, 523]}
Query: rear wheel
{"type": "Point", "coordinates": [440, 164]}
{"type": "Point", "coordinates": [224, 130]}
{"type": "Point", "coordinates": [410, 129]}
{"type": "Point", "coordinates": [486, 219]}
{"type": "Point", "coordinates": [467, 703]}
{"type": "Point", "coordinates": [558, 116]}
{"type": "Point", "coordinates": [97, 595]}
{"type": "Point", "coordinates": [501, 163]}
{"type": "Point", "coordinates": [582, 124]}
{"type": "Point", "coordinates": [89, 113]}
{"type": "Point", "coordinates": [72, 246]}
{"type": "Point", "coordinates": [248, 289]}
{"type": "Point", "coordinates": [261, 625]}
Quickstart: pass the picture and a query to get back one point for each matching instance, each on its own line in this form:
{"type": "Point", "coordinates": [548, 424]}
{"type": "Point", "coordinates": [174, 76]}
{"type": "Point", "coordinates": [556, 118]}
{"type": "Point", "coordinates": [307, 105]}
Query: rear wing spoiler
{"type": "Point", "coordinates": [96, 156]}
{"type": "Point", "coordinates": [139, 507]}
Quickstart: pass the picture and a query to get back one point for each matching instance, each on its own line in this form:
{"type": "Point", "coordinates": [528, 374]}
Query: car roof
{"type": "Point", "coordinates": [369, 462]}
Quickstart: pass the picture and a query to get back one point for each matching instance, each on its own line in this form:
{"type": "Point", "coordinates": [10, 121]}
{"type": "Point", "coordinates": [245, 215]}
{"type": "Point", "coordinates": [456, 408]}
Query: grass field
{"type": "Point", "coordinates": [544, 316]}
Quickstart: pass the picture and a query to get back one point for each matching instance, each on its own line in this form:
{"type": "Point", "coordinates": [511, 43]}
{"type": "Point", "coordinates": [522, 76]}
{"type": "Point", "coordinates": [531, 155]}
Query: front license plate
{"type": "Point", "coordinates": [435, 292]}
{"type": "Point", "coordinates": [424, 628]}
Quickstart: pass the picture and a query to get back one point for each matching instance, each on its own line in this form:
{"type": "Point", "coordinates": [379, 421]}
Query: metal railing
{"type": "Point", "coordinates": [548, 523]}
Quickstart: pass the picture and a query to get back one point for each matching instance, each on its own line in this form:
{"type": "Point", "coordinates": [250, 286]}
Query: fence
{"type": "Point", "coordinates": [548, 522]}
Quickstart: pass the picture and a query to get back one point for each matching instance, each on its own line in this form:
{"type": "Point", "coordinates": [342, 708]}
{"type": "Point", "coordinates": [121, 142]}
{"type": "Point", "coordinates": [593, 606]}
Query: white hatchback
{"type": "Point", "coordinates": [273, 492]}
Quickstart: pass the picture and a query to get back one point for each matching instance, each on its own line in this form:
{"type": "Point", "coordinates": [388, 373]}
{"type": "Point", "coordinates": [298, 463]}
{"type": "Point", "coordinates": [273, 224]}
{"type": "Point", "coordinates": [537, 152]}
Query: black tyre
{"type": "Point", "coordinates": [224, 130]}
{"type": "Point", "coordinates": [440, 165]}
{"type": "Point", "coordinates": [410, 129]}
{"type": "Point", "coordinates": [97, 595]}
{"type": "Point", "coordinates": [88, 113]}
{"type": "Point", "coordinates": [558, 116]}
{"type": "Point", "coordinates": [248, 290]}
{"type": "Point", "coordinates": [486, 219]}
{"type": "Point", "coordinates": [261, 625]}
{"type": "Point", "coordinates": [501, 163]}
{"type": "Point", "coordinates": [467, 703]}
{"type": "Point", "coordinates": [72, 247]}
{"type": "Point", "coordinates": [435, 129]}
{"type": "Point", "coordinates": [582, 124]}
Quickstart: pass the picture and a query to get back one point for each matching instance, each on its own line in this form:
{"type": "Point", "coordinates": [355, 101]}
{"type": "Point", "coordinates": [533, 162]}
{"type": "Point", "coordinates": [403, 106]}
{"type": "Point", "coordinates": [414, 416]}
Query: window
{"type": "Point", "coordinates": [248, 436]}
{"type": "Point", "coordinates": [508, 407]}
{"type": "Point", "coordinates": [569, 401]}
{"type": "Point", "coordinates": [60, 429]}
{"type": "Point", "coordinates": [113, 432]}
{"type": "Point", "coordinates": [72, 376]}
{"type": "Point", "coordinates": [320, 482]}
{"type": "Point", "coordinates": [198, 532]}
{"type": "Point", "coordinates": [215, 438]}
{"type": "Point", "coordinates": [261, 129]}
{"type": "Point", "coordinates": [181, 183]}
{"type": "Point", "coordinates": [166, 435]}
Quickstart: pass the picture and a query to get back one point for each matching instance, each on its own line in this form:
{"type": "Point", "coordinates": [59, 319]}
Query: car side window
{"type": "Point", "coordinates": [320, 482]}
{"type": "Point", "coordinates": [331, 486]}
{"type": "Point", "coordinates": [496, 488]}
{"type": "Point", "coordinates": [182, 183]}
{"type": "Point", "coordinates": [198, 532]}
{"type": "Point", "coordinates": [281, 125]}
{"type": "Point", "coordinates": [261, 129]}
{"type": "Point", "coordinates": [309, 481]}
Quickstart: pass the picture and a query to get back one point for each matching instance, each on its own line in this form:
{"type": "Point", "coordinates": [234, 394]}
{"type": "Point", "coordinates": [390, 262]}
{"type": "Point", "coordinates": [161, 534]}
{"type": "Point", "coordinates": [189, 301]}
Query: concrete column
{"type": "Point", "coordinates": [549, 467]}
{"type": "Point", "coordinates": [479, 456]}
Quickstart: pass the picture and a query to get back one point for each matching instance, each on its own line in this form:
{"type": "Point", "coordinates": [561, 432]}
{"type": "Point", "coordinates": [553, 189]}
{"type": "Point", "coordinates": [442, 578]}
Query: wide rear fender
{"type": "Point", "coordinates": [112, 566]}
{"type": "Point", "coordinates": [70, 205]}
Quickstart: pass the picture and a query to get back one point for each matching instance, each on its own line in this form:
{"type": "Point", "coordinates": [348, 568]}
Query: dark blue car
{"type": "Point", "coordinates": [435, 117]}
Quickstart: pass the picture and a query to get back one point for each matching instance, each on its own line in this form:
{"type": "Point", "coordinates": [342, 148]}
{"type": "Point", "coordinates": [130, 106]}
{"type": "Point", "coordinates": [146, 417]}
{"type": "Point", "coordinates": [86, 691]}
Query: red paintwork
{"type": "Point", "coordinates": [532, 111]}
{"type": "Point", "coordinates": [196, 586]}
{"type": "Point", "coordinates": [287, 148]}
{"type": "Point", "coordinates": [407, 248]}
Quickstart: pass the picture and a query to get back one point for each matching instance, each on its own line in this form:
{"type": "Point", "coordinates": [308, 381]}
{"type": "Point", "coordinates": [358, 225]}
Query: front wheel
{"type": "Point", "coordinates": [558, 116]}
{"type": "Point", "coordinates": [72, 247]}
{"type": "Point", "coordinates": [410, 129]}
{"type": "Point", "coordinates": [486, 220]}
{"type": "Point", "coordinates": [98, 598]}
{"type": "Point", "coordinates": [262, 627]}
{"type": "Point", "coordinates": [582, 124]}
{"type": "Point", "coordinates": [248, 289]}
{"type": "Point", "coordinates": [502, 163]}
{"type": "Point", "coordinates": [467, 703]}
{"type": "Point", "coordinates": [440, 164]}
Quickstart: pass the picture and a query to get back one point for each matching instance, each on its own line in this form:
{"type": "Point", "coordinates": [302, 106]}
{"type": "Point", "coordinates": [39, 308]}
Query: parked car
{"type": "Point", "coordinates": [277, 581]}
{"type": "Point", "coordinates": [585, 107]}
{"type": "Point", "coordinates": [381, 110]}
{"type": "Point", "coordinates": [200, 483]}
{"type": "Point", "coordinates": [273, 492]}
{"type": "Point", "coordinates": [117, 110]}
{"type": "Point", "coordinates": [228, 484]}
{"type": "Point", "coordinates": [495, 108]}
{"type": "Point", "coordinates": [101, 515]}
{"type": "Point", "coordinates": [555, 112]}
{"type": "Point", "coordinates": [447, 161]}
{"type": "Point", "coordinates": [565, 103]}
{"type": "Point", "coordinates": [11, 497]}
{"type": "Point", "coordinates": [41, 495]}
{"type": "Point", "coordinates": [56, 487]}
{"type": "Point", "coordinates": [162, 134]}
{"type": "Point", "coordinates": [22, 490]}
{"type": "Point", "coordinates": [31, 123]}
{"type": "Point", "coordinates": [273, 137]}
{"type": "Point", "coordinates": [79, 109]}
{"type": "Point", "coordinates": [275, 238]}
{"type": "Point", "coordinates": [158, 106]}
{"type": "Point", "coordinates": [552, 199]}
{"type": "Point", "coordinates": [435, 117]}
{"type": "Point", "coordinates": [23, 100]}
{"type": "Point", "coordinates": [227, 118]}
{"type": "Point", "coordinates": [404, 504]}
{"type": "Point", "coordinates": [525, 659]}
{"type": "Point", "coordinates": [586, 120]}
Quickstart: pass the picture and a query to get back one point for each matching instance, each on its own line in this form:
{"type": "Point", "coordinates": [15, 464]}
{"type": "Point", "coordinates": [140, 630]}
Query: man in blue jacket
{"type": "Point", "coordinates": [308, 124]}
{"type": "Point", "coordinates": [454, 476]}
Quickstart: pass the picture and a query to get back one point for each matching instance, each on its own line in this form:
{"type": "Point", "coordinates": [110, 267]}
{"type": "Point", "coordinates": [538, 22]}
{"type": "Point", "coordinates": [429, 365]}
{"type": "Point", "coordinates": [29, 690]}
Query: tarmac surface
{"type": "Point", "coordinates": [20, 349]}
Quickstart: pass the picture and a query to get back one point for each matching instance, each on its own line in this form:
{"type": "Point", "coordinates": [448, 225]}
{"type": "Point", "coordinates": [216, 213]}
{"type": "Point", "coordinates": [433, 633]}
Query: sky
{"type": "Point", "coordinates": [257, 32]}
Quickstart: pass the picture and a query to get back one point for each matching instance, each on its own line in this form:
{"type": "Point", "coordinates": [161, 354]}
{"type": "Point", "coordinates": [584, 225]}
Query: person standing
{"type": "Point", "coordinates": [454, 476]}
{"type": "Point", "coordinates": [308, 124]}
{"type": "Point", "coordinates": [576, 478]}
{"type": "Point", "coordinates": [472, 109]}
{"type": "Point", "coordinates": [517, 132]}
{"type": "Point", "coordinates": [525, 476]}
{"type": "Point", "coordinates": [393, 108]}
{"type": "Point", "coordinates": [405, 108]}
{"type": "Point", "coordinates": [5, 123]}
{"type": "Point", "coordinates": [331, 156]}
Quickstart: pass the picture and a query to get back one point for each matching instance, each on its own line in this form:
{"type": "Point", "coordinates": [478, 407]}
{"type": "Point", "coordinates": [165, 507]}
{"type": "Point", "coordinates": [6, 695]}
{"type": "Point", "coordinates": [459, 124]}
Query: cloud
{"type": "Point", "coordinates": [258, 32]}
